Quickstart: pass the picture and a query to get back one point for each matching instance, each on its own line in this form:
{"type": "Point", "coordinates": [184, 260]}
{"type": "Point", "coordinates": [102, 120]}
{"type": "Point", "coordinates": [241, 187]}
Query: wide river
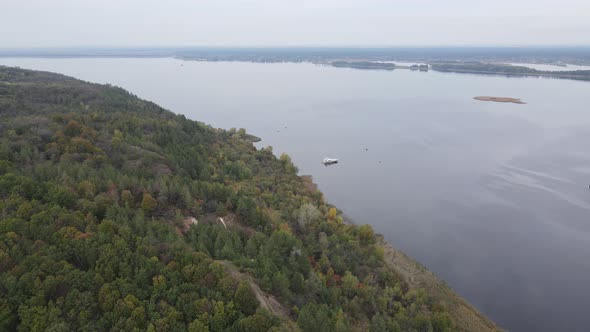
{"type": "Point", "coordinates": [494, 198]}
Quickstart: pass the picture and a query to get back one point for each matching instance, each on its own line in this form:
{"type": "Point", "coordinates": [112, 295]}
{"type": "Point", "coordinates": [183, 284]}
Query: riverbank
{"type": "Point", "coordinates": [419, 278]}
{"type": "Point", "coordinates": [465, 316]}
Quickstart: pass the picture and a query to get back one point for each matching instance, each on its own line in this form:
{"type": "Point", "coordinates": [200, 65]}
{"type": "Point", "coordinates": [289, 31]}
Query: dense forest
{"type": "Point", "coordinates": [116, 214]}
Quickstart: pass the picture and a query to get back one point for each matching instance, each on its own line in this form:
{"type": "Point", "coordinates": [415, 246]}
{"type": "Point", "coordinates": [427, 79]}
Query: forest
{"type": "Point", "coordinates": [116, 214]}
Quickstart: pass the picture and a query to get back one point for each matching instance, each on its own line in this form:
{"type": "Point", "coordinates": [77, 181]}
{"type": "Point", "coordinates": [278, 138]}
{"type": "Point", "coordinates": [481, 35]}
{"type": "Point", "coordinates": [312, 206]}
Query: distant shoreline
{"type": "Point", "coordinates": [479, 61]}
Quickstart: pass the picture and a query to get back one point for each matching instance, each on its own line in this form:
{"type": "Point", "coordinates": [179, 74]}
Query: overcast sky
{"type": "Point", "coordinates": [42, 23]}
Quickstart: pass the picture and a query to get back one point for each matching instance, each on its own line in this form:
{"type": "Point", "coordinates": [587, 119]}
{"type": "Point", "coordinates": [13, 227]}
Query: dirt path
{"type": "Point", "coordinates": [267, 301]}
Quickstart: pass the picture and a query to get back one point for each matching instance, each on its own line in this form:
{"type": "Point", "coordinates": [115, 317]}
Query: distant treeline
{"type": "Point", "coordinates": [546, 55]}
{"type": "Point", "coordinates": [499, 69]}
{"type": "Point", "coordinates": [364, 65]}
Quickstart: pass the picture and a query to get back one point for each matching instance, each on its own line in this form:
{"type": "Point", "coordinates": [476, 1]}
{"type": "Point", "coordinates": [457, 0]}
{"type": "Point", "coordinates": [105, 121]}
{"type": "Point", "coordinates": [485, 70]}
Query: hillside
{"type": "Point", "coordinates": [116, 214]}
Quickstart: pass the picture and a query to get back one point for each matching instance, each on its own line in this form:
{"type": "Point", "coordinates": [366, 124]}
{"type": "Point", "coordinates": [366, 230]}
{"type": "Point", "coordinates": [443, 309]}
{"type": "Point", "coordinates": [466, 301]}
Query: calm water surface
{"type": "Point", "coordinates": [492, 197]}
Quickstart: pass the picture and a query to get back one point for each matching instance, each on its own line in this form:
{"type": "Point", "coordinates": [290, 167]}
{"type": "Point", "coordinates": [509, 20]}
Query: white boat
{"type": "Point", "coordinates": [329, 161]}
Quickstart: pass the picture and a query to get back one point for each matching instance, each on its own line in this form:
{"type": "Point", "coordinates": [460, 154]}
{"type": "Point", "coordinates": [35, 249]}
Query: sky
{"type": "Point", "coordinates": [59, 23]}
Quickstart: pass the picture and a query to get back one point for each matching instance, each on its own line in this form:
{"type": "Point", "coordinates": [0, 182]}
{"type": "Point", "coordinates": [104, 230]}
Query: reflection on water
{"type": "Point", "coordinates": [492, 197]}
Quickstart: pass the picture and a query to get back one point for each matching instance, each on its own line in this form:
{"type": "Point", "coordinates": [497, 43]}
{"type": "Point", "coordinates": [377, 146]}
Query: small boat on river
{"type": "Point", "coordinates": [329, 161]}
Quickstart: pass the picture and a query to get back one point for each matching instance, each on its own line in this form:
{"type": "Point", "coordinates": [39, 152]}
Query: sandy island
{"type": "Point", "coordinates": [500, 99]}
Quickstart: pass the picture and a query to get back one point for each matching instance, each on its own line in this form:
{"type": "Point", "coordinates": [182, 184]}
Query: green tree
{"type": "Point", "coordinates": [197, 326]}
{"type": "Point", "coordinates": [127, 198]}
{"type": "Point", "coordinates": [281, 284]}
{"type": "Point", "coordinates": [86, 189]}
{"type": "Point", "coordinates": [313, 317]}
{"type": "Point", "coordinates": [366, 234]}
{"type": "Point", "coordinates": [349, 284]}
{"type": "Point", "coordinates": [442, 322]}
{"type": "Point", "coordinates": [245, 299]}
{"type": "Point", "coordinates": [262, 321]}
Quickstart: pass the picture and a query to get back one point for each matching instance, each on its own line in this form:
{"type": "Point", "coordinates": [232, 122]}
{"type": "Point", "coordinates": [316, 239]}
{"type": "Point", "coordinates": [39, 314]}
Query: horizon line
{"type": "Point", "coordinates": [296, 46]}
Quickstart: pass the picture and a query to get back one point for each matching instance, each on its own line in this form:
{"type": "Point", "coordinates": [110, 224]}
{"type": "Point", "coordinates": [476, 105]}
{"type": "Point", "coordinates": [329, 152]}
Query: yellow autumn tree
{"type": "Point", "coordinates": [332, 213]}
{"type": "Point", "coordinates": [148, 203]}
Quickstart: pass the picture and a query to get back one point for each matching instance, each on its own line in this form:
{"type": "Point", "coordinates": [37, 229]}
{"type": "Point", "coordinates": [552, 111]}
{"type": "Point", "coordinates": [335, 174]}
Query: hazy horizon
{"type": "Point", "coordinates": [302, 46]}
{"type": "Point", "coordinates": [320, 23]}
